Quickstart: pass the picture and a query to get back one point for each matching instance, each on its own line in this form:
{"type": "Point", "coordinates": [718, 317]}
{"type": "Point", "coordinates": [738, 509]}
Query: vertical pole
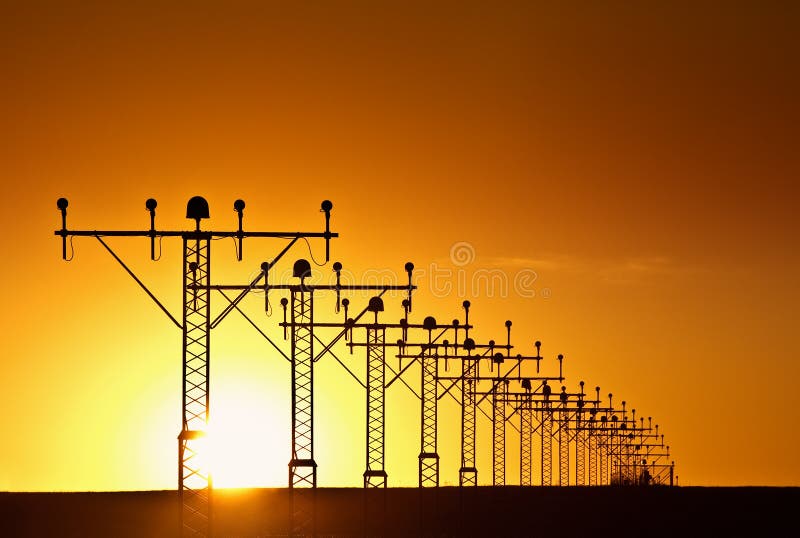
{"type": "Point", "coordinates": [375, 474]}
{"type": "Point", "coordinates": [375, 477]}
{"type": "Point", "coordinates": [580, 450]}
{"type": "Point", "coordinates": [302, 467]}
{"type": "Point", "coordinates": [592, 456]}
{"type": "Point", "coordinates": [468, 473]}
{"type": "Point", "coordinates": [525, 441]}
{"type": "Point", "coordinates": [563, 447]}
{"type": "Point", "coordinates": [194, 478]}
{"type": "Point", "coordinates": [602, 459]}
{"type": "Point", "coordinates": [547, 443]}
{"type": "Point", "coordinates": [429, 457]}
{"type": "Point", "coordinates": [498, 433]}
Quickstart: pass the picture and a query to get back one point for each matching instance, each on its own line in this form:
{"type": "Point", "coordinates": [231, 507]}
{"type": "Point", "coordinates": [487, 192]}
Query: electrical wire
{"type": "Point", "coordinates": [71, 249]}
{"type": "Point", "coordinates": [160, 238]}
{"type": "Point", "coordinates": [235, 246]}
{"type": "Point", "coordinates": [310, 253]}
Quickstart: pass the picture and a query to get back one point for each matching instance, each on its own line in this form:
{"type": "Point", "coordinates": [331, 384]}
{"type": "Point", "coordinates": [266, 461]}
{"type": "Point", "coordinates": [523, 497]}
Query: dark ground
{"type": "Point", "coordinates": [484, 511]}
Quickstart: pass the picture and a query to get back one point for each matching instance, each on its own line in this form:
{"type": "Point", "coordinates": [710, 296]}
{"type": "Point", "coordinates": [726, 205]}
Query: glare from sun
{"type": "Point", "coordinates": [247, 446]}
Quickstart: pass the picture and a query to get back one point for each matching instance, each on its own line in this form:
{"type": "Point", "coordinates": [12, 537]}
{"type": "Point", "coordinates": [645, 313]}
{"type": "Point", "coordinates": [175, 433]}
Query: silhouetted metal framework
{"type": "Point", "coordinates": [608, 448]}
{"type": "Point", "coordinates": [572, 429]}
{"type": "Point", "coordinates": [302, 466]}
{"type": "Point", "coordinates": [546, 438]}
{"type": "Point", "coordinates": [428, 453]}
{"type": "Point", "coordinates": [194, 480]}
{"type": "Point", "coordinates": [566, 419]}
{"type": "Point", "coordinates": [563, 442]}
{"type": "Point", "coordinates": [525, 403]}
{"type": "Point", "coordinates": [375, 474]}
{"type": "Point", "coordinates": [638, 454]}
{"type": "Point", "coordinates": [376, 369]}
{"type": "Point", "coordinates": [602, 453]}
{"type": "Point", "coordinates": [466, 383]}
{"type": "Point", "coordinates": [655, 455]}
{"type": "Point", "coordinates": [428, 347]}
{"type": "Point", "coordinates": [429, 357]}
{"type": "Point", "coordinates": [580, 442]}
{"type": "Point", "coordinates": [525, 436]}
{"type": "Point", "coordinates": [499, 433]}
{"type": "Point", "coordinates": [529, 403]}
{"type": "Point", "coordinates": [468, 472]}
{"type": "Point", "coordinates": [592, 443]}
{"type": "Point", "coordinates": [469, 380]}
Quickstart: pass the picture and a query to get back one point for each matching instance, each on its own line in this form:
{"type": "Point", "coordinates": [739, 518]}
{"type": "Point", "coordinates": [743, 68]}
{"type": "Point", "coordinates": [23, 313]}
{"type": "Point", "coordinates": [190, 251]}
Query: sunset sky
{"type": "Point", "coordinates": [636, 162]}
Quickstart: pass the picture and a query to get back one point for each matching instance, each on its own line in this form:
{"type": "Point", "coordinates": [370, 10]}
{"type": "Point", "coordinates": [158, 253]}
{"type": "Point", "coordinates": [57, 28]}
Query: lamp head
{"type": "Point", "coordinates": [375, 305]}
{"type": "Point", "coordinates": [197, 208]}
{"type": "Point", "coordinates": [301, 269]}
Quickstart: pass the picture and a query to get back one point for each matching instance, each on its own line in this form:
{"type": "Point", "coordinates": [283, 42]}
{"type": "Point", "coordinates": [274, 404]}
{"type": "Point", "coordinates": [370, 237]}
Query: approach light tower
{"type": "Point", "coordinates": [194, 480]}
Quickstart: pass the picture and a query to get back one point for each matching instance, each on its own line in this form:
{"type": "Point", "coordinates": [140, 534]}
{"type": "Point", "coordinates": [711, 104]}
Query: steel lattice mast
{"type": "Point", "coordinates": [468, 472]}
{"type": "Point", "coordinates": [499, 433]}
{"type": "Point", "coordinates": [546, 437]}
{"type": "Point", "coordinates": [375, 473]}
{"type": "Point", "coordinates": [302, 466]}
{"type": "Point", "coordinates": [580, 443]}
{"type": "Point", "coordinates": [428, 454]}
{"type": "Point", "coordinates": [525, 434]}
{"type": "Point", "coordinates": [563, 440]}
{"type": "Point", "coordinates": [499, 390]}
{"type": "Point", "coordinates": [194, 478]}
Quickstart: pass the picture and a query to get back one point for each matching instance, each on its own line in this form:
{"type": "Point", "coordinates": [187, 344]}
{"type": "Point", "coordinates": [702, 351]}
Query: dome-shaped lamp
{"type": "Point", "coordinates": [301, 269]}
{"type": "Point", "coordinates": [375, 305]}
{"type": "Point", "coordinates": [197, 209]}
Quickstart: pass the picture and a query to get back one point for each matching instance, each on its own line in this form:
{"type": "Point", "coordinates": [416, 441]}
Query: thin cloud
{"type": "Point", "coordinates": [617, 270]}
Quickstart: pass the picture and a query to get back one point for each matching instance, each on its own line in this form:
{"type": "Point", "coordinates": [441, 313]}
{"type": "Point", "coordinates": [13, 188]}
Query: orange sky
{"type": "Point", "coordinates": [642, 161]}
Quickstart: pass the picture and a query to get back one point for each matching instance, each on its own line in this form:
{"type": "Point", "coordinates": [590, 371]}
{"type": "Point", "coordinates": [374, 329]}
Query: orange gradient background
{"type": "Point", "coordinates": [641, 160]}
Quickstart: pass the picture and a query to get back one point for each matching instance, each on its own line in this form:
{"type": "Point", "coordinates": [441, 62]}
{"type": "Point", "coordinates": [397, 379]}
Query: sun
{"type": "Point", "coordinates": [247, 443]}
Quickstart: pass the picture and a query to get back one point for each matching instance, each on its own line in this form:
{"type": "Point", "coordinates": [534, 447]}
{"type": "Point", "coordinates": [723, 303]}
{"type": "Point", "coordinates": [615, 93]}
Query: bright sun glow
{"type": "Point", "coordinates": [247, 446]}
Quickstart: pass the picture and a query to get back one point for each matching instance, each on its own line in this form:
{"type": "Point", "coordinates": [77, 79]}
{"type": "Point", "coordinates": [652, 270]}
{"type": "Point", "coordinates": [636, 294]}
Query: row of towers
{"type": "Point", "coordinates": [596, 442]}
